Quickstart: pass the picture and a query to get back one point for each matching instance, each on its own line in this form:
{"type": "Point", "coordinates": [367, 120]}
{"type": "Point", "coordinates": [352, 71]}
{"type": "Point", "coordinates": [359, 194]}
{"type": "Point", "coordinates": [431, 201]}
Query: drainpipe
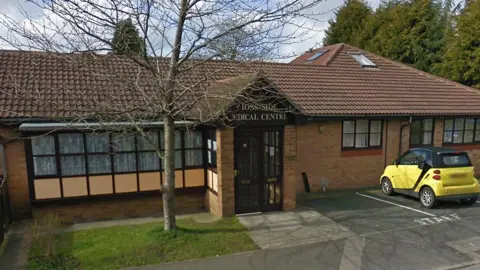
{"type": "Point", "coordinates": [401, 135]}
{"type": "Point", "coordinates": [386, 144]}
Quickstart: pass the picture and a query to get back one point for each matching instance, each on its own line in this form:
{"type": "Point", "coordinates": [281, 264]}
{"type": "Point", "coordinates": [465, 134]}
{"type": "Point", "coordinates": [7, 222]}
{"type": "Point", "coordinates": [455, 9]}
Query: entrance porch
{"type": "Point", "coordinates": [256, 171]}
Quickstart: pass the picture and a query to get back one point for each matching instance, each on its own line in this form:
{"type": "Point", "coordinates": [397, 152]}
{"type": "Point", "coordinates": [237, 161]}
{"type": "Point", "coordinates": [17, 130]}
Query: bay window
{"type": "Point", "coordinates": [81, 154]}
{"type": "Point", "coordinates": [193, 149]}
{"type": "Point", "coordinates": [211, 149]}
{"type": "Point", "coordinates": [362, 133]}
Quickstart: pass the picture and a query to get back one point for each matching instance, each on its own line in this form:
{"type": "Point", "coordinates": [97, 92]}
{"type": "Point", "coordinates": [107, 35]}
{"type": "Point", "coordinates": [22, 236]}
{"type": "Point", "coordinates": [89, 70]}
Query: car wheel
{"type": "Point", "coordinates": [470, 201]}
{"type": "Point", "coordinates": [387, 187]}
{"type": "Point", "coordinates": [427, 197]}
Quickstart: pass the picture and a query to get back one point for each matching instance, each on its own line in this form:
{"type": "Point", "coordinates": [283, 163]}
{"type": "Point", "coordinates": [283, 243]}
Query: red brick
{"type": "Point", "coordinates": [83, 211]}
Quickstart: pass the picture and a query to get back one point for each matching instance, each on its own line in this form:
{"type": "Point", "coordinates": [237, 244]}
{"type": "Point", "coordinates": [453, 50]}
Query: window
{"type": "Point", "coordinates": [421, 132]}
{"type": "Point", "coordinates": [461, 130]}
{"type": "Point", "coordinates": [81, 154]}
{"type": "Point", "coordinates": [43, 151]}
{"type": "Point", "coordinates": [362, 60]}
{"type": "Point", "coordinates": [98, 157]}
{"type": "Point", "coordinates": [212, 148]}
{"type": "Point", "coordinates": [362, 133]}
{"type": "Point", "coordinates": [316, 55]}
{"type": "Point", "coordinates": [178, 149]}
{"type": "Point", "coordinates": [71, 151]}
{"type": "Point", "coordinates": [147, 146]}
{"type": "Point", "coordinates": [124, 147]}
{"type": "Point", "coordinates": [193, 149]}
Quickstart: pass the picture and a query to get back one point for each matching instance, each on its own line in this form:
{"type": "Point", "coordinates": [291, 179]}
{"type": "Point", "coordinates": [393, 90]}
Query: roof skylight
{"type": "Point", "coordinates": [363, 60]}
{"type": "Point", "coordinates": [316, 55]}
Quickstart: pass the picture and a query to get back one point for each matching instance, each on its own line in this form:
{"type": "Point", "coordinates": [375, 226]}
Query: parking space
{"type": "Point", "coordinates": [444, 209]}
{"type": "Point", "coordinates": [363, 214]}
{"type": "Point", "coordinates": [400, 234]}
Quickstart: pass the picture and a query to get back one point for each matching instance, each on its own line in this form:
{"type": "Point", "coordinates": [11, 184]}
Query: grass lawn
{"type": "Point", "coordinates": [133, 245]}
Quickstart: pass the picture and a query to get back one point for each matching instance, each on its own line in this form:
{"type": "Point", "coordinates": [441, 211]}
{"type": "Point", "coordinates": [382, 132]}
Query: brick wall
{"type": "Point", "coordinates": [211, 203]}
{"type": "Point", "coordinates": [225, 171]}
{"type": "Point", "coordinates": [17, 178]}
{"type": "Point", "coordinates": [83, 211]}
{"type": "Point", "coordinates": [319, 154]}
{"type": "Point", "coordinates": [289, 167]}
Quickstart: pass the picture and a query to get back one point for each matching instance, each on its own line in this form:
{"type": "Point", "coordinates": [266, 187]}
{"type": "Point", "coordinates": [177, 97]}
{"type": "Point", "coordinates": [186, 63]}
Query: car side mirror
{"type": "Point", "coordinates": [395, 162]}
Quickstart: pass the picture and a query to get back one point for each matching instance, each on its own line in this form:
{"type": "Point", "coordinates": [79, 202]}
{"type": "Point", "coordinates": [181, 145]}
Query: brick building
{"type": "Point", "coordinates": [352, 113]}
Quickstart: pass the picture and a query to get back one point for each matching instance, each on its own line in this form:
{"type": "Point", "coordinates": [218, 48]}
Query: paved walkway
{"type": "Point", "coordinates": [285, 229]}
{"type": "Point", "coordinates": [15, 253]}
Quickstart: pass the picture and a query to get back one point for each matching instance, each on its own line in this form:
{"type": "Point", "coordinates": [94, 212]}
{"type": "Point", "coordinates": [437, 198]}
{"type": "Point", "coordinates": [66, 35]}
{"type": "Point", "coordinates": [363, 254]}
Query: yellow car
{"type": "Point", "coordinates": [432, 174]}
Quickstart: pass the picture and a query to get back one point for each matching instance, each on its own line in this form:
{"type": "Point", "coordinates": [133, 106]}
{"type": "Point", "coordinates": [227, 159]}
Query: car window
{"type": "Point", "coordinates": [410, 158]}
{"type": "Point", "coordinates": [414, 157]}
{"type": "Point", "coordinates": [425, 156]}
{"type": "Point", "coordinates": [455, 160]}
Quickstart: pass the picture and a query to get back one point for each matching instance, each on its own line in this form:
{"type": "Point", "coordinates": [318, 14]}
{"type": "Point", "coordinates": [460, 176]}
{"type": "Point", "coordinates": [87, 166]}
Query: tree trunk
{"type": "Point", "coordinates": [168, 189]}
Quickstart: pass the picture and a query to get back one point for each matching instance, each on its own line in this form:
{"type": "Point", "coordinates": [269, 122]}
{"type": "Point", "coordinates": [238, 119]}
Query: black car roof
{"type": "Point", "coordinates": [438, 149]}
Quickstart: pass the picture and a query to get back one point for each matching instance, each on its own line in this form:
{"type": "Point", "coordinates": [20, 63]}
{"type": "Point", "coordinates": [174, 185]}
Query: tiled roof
{"type": "Point", "coordinates": [331, 85]}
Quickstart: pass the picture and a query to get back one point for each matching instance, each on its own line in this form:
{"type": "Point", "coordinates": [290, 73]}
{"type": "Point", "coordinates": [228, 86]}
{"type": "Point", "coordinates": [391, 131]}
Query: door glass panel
{"type": "Point", "coordinates": [271, 192]}
{"type": "Point", "coordinates": [277, 194]}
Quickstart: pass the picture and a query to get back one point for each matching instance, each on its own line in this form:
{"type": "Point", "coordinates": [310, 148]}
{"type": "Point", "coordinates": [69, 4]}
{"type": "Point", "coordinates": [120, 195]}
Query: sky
{"type": "Point", "coordinates": [12, 9]}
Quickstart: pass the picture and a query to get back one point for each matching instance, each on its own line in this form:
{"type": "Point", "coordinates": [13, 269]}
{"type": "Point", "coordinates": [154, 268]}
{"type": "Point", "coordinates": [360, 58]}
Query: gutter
{"type": "Point", "coordinates": [95, 125]}
{"type": "Point", "coordinates": [386, 144]}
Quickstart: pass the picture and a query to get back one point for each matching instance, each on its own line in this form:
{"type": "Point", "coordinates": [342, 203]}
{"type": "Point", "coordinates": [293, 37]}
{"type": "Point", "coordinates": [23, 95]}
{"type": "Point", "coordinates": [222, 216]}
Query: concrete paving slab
{"type": "Point", "coordinates": [281, 216]}
{"type": "Point", "coordinates": [467, 245]}
{"type": "Point", "coordinates": [283, 229]}
{"type": "Point", "coordinates": [283, 225]}
{"type": "Point", "coordinates": [253, 221]}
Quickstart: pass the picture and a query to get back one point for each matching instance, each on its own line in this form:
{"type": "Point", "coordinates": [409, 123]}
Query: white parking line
{"type": "Point", "coordinates": [396, 204]}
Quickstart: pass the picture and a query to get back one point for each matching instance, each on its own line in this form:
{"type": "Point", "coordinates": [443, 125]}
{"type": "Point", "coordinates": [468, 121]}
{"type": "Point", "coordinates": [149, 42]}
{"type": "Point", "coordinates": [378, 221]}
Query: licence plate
{"type": "Point", "coordinates": [457, 175]}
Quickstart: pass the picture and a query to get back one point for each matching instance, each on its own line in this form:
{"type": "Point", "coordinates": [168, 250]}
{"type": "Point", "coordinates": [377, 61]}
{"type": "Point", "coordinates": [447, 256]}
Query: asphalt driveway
{"type": "Point", "coordinates": [377, 232]}
{"type": "Point", "coordinates": [398, 233]}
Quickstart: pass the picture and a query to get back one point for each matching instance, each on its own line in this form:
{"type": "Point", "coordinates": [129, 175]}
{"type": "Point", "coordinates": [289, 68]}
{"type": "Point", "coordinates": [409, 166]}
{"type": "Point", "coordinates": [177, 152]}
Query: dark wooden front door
{"type": "Point", "coordinates": [258, 170]}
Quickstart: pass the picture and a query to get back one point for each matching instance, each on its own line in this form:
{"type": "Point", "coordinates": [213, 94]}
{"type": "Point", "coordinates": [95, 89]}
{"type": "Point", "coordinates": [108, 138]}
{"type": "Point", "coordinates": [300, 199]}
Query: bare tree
{"type": "Point", "coordinates": [172, 80]}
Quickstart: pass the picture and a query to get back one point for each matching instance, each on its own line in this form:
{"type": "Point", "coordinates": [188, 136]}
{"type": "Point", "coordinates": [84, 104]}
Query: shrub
{"type": "Point", "coordinates": [43, 234]}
